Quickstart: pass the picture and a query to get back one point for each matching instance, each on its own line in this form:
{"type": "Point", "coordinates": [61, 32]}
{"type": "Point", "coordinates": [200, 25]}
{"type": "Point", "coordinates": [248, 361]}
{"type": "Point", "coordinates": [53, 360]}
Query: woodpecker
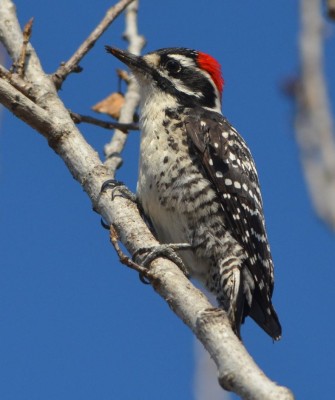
{"type": "Point", "coordinates": [198, 182]}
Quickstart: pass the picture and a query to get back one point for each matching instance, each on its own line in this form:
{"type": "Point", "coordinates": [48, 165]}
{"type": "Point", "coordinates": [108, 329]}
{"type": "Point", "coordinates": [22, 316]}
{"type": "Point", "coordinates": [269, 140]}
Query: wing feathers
{"type": "Point", "coordinates": [231, 169]}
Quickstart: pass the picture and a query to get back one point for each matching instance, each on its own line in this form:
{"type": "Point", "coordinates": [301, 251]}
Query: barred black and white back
{"type": "Point", "coordinates": [231, 168]}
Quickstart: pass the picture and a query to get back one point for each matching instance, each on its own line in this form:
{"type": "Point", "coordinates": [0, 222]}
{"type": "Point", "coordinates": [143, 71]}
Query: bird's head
{"type": "Point", "coordinates": [191, 77]}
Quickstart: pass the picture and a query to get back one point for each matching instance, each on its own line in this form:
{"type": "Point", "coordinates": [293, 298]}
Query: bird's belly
{"type": "Point", "coordinates": [174, 227]}
{"type": "Point", "coordinates": [174, 209]}
{"type": "Point", "coordinates": [179, 200]}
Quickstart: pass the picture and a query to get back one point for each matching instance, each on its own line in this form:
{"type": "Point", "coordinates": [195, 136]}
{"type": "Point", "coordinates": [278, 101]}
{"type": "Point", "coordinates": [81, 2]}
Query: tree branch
{"type": "Point", "coordinates": [17, 82]}
{"type": "Point", "coordinates": [27, 31]}
{"type": "Point", "coordinates": [73, 63]}
{"type": "Point", "coordinates": [314, 124]}
{"type": "Point", "coordinates": [48, 115]}
{"type": "Point", "coordinates": [136, 42]}
{"type": "Point", "coordinates": [78, 118]}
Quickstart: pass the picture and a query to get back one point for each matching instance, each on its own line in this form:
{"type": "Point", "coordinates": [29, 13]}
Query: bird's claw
{"type": "Point", "coordinates": [104, 224]}
{"type": "Point", "coordinates": [143, 279]}
{"type": "Point", "coordinates": [166, 251]}
{"type": "Point", "coordinates": [118, 186]}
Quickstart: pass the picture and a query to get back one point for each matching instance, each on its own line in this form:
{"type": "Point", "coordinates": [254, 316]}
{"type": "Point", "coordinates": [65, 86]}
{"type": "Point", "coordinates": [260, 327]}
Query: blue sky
{"type": "Point", "coordinates": [74, 323]}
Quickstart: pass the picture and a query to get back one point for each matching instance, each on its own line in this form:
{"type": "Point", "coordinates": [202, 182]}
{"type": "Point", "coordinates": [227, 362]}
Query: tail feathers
{"type": "Point", "coordinates": [236, 314]}
{"type": "Point", "coordinates": [251, 303]}
{"type": "Point", "coordinates": [267, 319]}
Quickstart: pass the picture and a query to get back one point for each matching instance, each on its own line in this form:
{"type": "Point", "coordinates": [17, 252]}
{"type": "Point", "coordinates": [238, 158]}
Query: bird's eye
{"type": "Point", "coordinates": [173, 66]}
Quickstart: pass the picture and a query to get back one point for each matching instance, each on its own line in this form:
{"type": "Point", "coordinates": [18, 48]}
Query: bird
{"type": "Point", "coordinates": [198, 182]}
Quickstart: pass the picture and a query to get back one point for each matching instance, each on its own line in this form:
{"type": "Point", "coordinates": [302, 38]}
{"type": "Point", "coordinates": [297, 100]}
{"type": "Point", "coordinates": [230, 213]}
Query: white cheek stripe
{"type": "Point", "coordinates": [185, 61]}
{"type": "Point", "coordinates": [180, 87]}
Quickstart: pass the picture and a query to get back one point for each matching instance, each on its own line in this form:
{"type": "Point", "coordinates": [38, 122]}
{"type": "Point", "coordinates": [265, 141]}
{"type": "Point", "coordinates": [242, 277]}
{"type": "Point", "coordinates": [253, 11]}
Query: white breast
{"type": "Point", "coordinates": [157, 165]}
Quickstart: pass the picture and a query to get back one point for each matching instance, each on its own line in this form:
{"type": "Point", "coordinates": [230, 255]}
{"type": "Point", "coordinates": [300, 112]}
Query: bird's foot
{"type": "Point", "coordinates": [117, 186]}
{"type": "Point", "coordinates": [166, 251]}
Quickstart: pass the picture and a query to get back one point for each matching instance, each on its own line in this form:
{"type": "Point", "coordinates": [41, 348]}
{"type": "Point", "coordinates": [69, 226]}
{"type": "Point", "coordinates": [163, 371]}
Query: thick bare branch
{"type": "Point", "coordinates": [236, 369]}
{"type": "Point", "coordinates": [73, 63]}
{"type": "Point", "coordinates": [17, 82]}
{"type": "Point", "coordinates": [314, 124]}
{"type": "Point", "coordinates": [24, 108]}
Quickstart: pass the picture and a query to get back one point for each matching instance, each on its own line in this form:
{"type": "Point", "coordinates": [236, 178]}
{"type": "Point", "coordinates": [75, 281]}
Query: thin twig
{"type": "Point", "coordinates": [114, 238]}
{"type": "Point", "coordinates": [136, 42]}
{"type": "Point", "coordinates": [20, 64]}
{"type": "Point", "coordinates": [122, 74]}
{"type": "Point", "coordinates": [78, 118]}
{"type": "Point", "coordinates": [72, 64]}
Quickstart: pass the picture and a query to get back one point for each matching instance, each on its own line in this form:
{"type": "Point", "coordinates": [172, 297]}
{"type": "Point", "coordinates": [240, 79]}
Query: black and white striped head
{"type": "Point", "coordinates": [190, 77]}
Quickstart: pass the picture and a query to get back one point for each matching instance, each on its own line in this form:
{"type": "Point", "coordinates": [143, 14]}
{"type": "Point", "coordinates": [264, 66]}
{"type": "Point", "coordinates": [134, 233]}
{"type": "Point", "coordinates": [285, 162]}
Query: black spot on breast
{"type": "Point", "coordinates": [174, 197]}
{"type": "Point", "coordinates": [166, 122]}
{"type": "Point", "coordinates": [162, 200]}
{"type": "Point", "coordinates": [173, 144]}
{"type": "Point", "coordinates": [181, 158]}
{"type": "Point", "coordinates": [182, 171]}
{"type": "Point", "coordinates": [173, 113]}
{"type": "Point", "coordinates": [177, 125]}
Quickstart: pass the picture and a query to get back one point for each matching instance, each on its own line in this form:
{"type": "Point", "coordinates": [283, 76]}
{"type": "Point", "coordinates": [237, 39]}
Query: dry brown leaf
{"type": "Point", "coordinates": [111, 105]}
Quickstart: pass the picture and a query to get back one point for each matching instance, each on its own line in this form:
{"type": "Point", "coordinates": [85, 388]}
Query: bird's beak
{"type": "Point", "coordinates": [135, 63]}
